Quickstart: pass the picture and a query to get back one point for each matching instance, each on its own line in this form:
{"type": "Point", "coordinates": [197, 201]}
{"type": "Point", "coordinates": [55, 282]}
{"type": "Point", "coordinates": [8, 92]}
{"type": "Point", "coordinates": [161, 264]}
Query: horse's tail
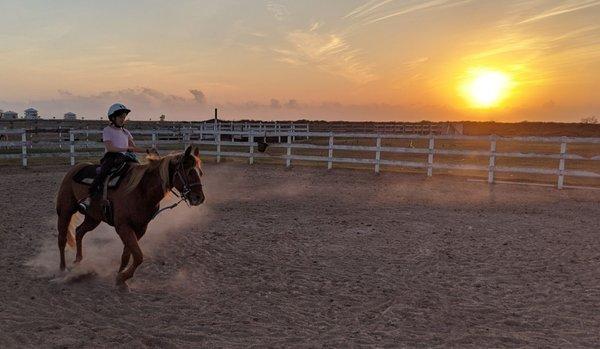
{"type": "Point", "coordinates": [66, 207]}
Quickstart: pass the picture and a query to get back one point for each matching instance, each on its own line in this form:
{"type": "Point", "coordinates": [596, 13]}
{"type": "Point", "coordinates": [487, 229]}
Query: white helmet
{"type": "Point", "coordinates": [115, 108]}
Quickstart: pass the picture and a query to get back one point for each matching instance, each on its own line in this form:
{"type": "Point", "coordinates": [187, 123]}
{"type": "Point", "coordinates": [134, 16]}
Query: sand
{"type": "Point", "coordinates": [312, 258]}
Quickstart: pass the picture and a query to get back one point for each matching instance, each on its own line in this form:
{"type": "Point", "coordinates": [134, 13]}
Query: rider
{"type": "Point", "coordinates": [120, 148]}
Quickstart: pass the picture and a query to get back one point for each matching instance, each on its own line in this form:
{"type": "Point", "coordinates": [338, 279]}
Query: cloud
{"type": "Point", "coordinates": [292, 104]}
{"type": "Point", "coordinates": [366, 8]}
{"type": "Point", "coordinates": [199, 96]}
{"type": "Point", "coordinates": [144, 103]}
{"type": "Point", "coordinates": [376, 11]}
{"type": "Point", "coordinates": [328, 52]}
{"type": "Point", "coordinates": [275, 104]}
{"type": "Point", "coordinates": [555, 53]}
{"type": "Point", "coordinates": [565, 7]}
{"type": "Point", "coordinates": [278, 11]}
{"type": "Point", "coordinates": [149, 103]}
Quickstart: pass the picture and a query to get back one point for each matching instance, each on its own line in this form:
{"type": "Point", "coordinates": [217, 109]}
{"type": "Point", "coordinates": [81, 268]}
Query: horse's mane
{"type": "Point", "coordinates": [138, 172]}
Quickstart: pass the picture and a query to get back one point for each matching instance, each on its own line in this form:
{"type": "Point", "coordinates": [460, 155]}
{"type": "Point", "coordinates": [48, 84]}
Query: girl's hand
{"type": "Point", "coordinates": [152, 151]}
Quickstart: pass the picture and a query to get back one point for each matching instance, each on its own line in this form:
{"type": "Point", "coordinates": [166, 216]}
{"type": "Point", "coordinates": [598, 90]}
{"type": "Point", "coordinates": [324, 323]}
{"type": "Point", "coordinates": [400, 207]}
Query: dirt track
{"type": "Point", "coordinates": [310, 258]}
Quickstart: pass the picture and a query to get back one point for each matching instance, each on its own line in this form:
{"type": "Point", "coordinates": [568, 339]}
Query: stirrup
{"type": "Point", "coordinates": [84, 205]}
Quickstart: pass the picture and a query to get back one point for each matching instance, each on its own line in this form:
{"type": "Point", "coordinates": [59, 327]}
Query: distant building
{"type": "Point", "coordinates": [31, 114]}
{"type": "Point", "coordinates": [10, 115]}
{"type": "Point", "coordinates": [70, 116]}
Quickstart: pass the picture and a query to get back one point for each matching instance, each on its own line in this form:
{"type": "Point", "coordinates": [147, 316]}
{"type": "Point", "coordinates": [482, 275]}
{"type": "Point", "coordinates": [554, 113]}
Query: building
{"type": "Point", "coordinates": [70, 116]}
{"type": "Point", "coordinates": [31, 114]}
{"type": "Point", "coordinates": [10, 115]}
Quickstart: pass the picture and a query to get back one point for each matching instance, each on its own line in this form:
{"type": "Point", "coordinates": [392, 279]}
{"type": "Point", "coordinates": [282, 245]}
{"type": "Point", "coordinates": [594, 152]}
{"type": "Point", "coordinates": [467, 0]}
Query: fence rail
{"type": "Point", "coordinates": [248, 139]}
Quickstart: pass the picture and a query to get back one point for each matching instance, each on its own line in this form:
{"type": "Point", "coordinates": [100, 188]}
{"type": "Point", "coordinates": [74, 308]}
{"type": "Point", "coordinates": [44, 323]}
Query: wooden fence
{"type": "Point", "coordinates": [221, 139]}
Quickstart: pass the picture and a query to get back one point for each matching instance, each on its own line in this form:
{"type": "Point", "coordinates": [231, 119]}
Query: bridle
{"type": "Point", "coordinates": [187, 187]}
{"type": "Point", "coordinates": [184, 194]}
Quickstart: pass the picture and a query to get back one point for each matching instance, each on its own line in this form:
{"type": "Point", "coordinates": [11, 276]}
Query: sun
{"type": "Point", "coordinates": [485, 88]}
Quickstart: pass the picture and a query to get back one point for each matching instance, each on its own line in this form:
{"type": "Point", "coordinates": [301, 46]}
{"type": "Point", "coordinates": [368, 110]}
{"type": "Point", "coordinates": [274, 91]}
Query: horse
{"type": "Point", "coordinates": [135, 203]}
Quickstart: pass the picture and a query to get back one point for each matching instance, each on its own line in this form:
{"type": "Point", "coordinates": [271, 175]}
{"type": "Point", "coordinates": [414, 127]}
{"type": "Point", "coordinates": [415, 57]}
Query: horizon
{"type": "Point", "coordinates": [376, 60]}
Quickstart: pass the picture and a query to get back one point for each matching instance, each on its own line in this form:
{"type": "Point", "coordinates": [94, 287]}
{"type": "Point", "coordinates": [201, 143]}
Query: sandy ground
{"type": "Point", "coordinates": [310, 258]}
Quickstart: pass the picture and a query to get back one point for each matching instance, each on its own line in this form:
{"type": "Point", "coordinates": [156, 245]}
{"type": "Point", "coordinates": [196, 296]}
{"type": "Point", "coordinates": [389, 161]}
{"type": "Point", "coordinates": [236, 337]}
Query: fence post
{"type": "Point", "coordinates": [492, 164]}
{"type": "Point", "coordinates": [277, 130]}
{"type": "Point", "coordinates": [87, 137]}
{"type": "Point", "coordinates": [561, 164]}
{"type": "Point", "coordinates": [183, 137]}
{"type": "Point", "coordinates": [251, 140]}
{"type": "Point", "coordinates": [288, 160]}
{"type": "Point", "coordinates": [330, 153]}
{"type": "Point", "coordinates": [378, 154]}
{"type": "Point", "coordinates": [59, 137]}
{"type": "Point", "coordinates": [24, 148]}
{"type": "Point", "coordinates": [218, 139]}
{"type": "Point", "coordinates": [72, 146]}
{"type": "Point", "coordinates": [430, 156]}
{"type": "Point", "coordinates": [153, 138]}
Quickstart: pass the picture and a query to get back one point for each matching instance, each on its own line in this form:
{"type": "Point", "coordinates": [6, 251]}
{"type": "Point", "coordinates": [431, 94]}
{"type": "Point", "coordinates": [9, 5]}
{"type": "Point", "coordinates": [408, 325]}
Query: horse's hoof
{"type": "Point", "coordinates": [123, 287]}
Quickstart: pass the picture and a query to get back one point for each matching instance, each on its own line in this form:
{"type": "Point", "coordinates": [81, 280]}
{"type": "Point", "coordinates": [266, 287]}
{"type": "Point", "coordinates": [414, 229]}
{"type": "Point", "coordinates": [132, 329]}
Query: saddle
{"type": "Point", "coordinates": [87, 174]}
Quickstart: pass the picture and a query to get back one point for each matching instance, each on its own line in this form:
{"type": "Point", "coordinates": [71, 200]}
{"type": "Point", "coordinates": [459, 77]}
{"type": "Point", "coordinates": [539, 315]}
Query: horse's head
{"type": "Point", "coordinates": [185, 173]}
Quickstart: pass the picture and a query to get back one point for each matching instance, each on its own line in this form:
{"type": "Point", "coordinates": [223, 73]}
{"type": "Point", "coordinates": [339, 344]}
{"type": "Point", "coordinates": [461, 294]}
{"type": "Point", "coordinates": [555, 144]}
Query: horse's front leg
{"type": "Point", "coordinates": [129, 238]}
{"type": "Point", "coordinates": [126, 253]}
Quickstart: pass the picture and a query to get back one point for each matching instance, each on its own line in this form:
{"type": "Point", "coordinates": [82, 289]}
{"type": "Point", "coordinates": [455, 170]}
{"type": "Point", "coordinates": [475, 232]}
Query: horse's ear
{"type": "Point", "coordinates": [196, 152]}
{"type": "Point", "coordinates": [188, 151]}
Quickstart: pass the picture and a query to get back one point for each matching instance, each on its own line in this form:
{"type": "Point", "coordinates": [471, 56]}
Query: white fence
{"type": "Point", "coordinates": [215, 138]}
{"type": "Point", "coordinates": [253, 126]}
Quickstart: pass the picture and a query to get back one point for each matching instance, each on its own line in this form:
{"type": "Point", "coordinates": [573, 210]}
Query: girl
{"type": "Point", "coordinates": [120, 148]}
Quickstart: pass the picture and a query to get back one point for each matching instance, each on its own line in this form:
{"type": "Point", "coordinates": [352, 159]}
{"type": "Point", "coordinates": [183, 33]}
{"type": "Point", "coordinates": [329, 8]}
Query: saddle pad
{"type": "Point", "coordinates": [87, 174]}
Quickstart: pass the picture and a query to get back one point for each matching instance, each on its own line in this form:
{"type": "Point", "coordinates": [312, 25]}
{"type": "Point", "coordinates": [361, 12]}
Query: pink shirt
{"type": "Point", "coordinates": [117, 136]}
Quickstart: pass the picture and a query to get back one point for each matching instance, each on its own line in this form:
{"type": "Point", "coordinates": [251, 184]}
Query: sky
{"type": "Point", "coordinates": [374, 60]}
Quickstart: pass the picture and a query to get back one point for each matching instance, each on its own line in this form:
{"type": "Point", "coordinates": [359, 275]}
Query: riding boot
{"type": "Point", "coordinates": [95, 192]}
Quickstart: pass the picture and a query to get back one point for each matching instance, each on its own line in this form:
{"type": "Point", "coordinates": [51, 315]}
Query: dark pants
{"type": "Point", "coordinates": [107, 163]}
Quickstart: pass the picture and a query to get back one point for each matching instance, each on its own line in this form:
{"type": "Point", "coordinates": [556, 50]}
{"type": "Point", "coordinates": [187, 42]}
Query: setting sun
{"type": "Point", "coordinates": [486, 88]}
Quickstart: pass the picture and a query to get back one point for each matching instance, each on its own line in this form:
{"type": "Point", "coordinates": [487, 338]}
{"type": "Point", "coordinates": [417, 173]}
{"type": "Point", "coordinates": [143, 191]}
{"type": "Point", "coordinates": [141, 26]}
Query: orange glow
{"type": "Point", "coordinates": [485, 88]}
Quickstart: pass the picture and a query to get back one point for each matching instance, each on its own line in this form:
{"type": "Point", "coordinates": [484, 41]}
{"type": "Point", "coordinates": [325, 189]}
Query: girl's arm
{"type": "Point", "coordinates": [135, 149]}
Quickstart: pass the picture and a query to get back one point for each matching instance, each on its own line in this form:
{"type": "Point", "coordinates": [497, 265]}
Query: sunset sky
{"type": "Point", "coordinates": [384, 60]}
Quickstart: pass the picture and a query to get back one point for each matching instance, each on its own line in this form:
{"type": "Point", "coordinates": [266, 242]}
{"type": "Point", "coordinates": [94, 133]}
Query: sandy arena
{"type": "Point", "coordinates": [311, 258]}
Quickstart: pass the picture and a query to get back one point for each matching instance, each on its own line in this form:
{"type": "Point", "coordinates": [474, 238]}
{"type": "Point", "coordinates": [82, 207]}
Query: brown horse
{"type": "Point", "coordinates": [134, 203]}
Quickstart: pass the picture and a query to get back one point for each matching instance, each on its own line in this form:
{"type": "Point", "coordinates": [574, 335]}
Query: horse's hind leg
{"type": "Point", "coordinates": [124, 258]}
{"type": "Point", "coordinates": [88, 224]}
{"type": "Point", "coordinates": [64, 220]}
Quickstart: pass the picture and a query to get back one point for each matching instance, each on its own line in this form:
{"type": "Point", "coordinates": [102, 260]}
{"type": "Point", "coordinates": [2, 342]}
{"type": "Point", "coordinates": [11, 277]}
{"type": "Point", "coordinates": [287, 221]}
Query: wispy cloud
{"type": "Point", "coordinates": [540, 59]}
{"type": "Point", "coordinates": [329, 52]}
{"type": "Point", "coordinates": [366, 8]}
{"type": "Point", "coordinates": [377, 11]}
{"type": "Point", "coordinates": [585, 38]}
{"type": "Point", "coordinates": [565, 7]}
{"type": "Point", "coordinates": [278, 11]}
